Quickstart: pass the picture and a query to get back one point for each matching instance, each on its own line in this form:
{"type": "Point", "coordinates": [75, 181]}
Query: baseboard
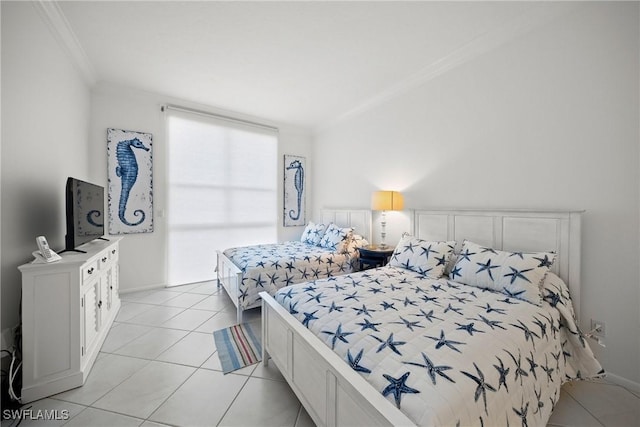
{"type": "Point", "coordinates": [621, 381]}
{"type": "Point", "coordinates": [141, 288]}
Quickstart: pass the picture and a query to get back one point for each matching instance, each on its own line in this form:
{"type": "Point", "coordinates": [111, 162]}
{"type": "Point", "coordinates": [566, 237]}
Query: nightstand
{"type": "Point", "coordinates": [374, 256]}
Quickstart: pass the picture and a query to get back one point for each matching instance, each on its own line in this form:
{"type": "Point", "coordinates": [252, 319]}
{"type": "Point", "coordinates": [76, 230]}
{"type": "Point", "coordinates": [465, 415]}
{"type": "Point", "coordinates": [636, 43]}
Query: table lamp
{"type": "Point", "coordinates": [386, 201]}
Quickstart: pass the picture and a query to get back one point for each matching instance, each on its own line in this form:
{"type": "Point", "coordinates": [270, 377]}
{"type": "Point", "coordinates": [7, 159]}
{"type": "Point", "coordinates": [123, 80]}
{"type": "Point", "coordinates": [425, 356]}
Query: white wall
{"type": "Point", "coordinates": [548, 120]}
{"type": "Point", "coordinates": [142, 255]}
{"type": "Point", "coordinates": [45, 124]}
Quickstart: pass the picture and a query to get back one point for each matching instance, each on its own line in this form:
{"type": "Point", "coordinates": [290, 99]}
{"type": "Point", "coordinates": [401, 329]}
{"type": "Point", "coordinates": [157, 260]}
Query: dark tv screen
{"type": "Point", "coordinates": [84, 213]}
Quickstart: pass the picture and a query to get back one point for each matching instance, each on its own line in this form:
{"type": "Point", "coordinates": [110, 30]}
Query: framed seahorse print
{"type": "Point", "coordinates": [294, 191]}
{"type": "Point", "coordinates": [130, 181]}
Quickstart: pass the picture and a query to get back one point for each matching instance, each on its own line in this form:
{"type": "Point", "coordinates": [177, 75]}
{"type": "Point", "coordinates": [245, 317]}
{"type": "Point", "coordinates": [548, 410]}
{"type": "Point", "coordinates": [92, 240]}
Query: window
{"type": "Point", "coordinates": [222, 182]}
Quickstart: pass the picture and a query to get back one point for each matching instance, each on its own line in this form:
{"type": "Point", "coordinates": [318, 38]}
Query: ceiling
{"type": "Point", "coordinates": [304, 63]}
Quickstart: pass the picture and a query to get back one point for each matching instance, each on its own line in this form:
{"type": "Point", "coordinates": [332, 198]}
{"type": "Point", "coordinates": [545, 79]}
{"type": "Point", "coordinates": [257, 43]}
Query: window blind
{"type": "Point", "coordinates": [222, 182]}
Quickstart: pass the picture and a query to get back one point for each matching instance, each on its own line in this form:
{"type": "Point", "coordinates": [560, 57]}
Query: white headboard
{"type": "Point", "coordinates": [512, 230]}
{"type": "Point", "coordinates": [359, 219]}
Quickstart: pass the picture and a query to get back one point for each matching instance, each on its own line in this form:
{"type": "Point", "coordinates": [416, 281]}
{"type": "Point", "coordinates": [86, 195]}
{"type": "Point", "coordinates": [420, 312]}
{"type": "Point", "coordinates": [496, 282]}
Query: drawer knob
{"type": "Point", "coordinates": [104, 259]}
{"type": "Point", "coordinates": [90, 271]}
{"type": "Point", "coordinates": [99, 304]}
{"type": "Point", "coordinates": [113, 251]}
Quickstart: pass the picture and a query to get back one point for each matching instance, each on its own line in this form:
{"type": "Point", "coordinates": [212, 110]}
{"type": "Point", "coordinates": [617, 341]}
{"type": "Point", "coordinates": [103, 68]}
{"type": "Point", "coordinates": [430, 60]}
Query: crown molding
{"type": "Point", "coordinates": [61, 29]}
{"type": "Point", "coordinates": [535, 17]}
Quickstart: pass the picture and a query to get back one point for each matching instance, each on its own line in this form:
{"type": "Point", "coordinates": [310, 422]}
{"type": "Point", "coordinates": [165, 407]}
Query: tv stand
{"type": "Point", "coordinates": [68, 307]}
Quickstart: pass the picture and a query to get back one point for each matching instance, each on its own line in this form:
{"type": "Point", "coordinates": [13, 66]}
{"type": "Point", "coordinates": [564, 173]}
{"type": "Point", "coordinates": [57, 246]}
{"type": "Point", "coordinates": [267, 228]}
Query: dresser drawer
{"type": "Point", "coordinates": [113, 254]}
{"type": "Point", "coordinates": [90, 270]}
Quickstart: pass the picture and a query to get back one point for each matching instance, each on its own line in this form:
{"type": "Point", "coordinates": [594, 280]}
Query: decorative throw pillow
{"type": "Point", "coordinates": [312, 233]}
{"type": "Point", "coordinates": [336, 238]}
{"type": "Point", "coordinates": [516, 274]}
{"type": "Point", "coordinates": [422, 256]}
{"type": "Point", "coordinates": [356, 241]}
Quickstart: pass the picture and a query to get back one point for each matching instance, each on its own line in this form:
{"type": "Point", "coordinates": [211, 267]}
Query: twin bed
{"type": "Point", "coordinates": [246, 271]}
{"type": "Point", "coordinates": [400, 345]}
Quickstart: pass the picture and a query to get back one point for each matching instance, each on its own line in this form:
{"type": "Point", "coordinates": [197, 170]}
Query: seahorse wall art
{"type": "Point", "coordinates": [130, 181]}
{"type": "Point", "coordinates": [294, 209]}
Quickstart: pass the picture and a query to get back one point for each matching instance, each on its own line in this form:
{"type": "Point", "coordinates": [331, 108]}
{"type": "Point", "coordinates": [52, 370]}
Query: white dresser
{"type": "Point", "coordinates": [68, 307]}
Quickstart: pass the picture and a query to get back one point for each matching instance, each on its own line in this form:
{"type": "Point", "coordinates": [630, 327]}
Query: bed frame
{"type": "Point", "coordinates": [230, 276]}
{"type": "Point", "coordinates": [334, 394]}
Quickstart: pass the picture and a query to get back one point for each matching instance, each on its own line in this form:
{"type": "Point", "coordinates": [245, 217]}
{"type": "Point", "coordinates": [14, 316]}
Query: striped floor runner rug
{"type": "Point", "coordinates": [238, 346]}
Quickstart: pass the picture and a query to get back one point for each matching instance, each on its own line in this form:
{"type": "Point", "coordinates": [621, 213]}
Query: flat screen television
{"type": "Point", "coordinates": [84, 213]}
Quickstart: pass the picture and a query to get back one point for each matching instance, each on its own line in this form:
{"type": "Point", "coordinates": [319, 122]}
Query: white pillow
{"type": "Point", "coordinates": [422, 256]}
{"type": "Point", "coordinates": [516, 274]}
{"type": "Point", "coordinates": [336, 238]}
{"type": "Point", "coordinates": [312, 233]}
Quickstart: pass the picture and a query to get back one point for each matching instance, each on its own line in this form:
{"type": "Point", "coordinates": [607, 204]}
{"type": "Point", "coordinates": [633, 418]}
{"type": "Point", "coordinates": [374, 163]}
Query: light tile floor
{"type": "Point", "coordinates": [158, 366]}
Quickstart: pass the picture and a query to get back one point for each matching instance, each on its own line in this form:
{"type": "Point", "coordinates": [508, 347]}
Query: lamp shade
{"type": "Point", "coordinates": [387, 201]}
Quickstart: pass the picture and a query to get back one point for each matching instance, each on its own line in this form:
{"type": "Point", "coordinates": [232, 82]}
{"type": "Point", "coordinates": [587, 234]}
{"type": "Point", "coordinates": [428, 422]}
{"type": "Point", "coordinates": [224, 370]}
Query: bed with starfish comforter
{"type": "Point", "coordinates": [445, 353]}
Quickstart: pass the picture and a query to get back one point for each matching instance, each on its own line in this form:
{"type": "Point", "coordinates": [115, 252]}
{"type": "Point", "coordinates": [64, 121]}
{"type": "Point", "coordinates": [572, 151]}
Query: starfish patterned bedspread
{"type": "Point", "coordinates": [446, 353]}
{"type": "Point", "coordinates": [270, 267]}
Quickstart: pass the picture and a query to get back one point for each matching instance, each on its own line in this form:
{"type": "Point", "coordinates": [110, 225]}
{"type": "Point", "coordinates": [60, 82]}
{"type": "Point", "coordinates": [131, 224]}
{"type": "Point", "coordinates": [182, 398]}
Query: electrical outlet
{"type": "Point", "coordinates": [598, 328]}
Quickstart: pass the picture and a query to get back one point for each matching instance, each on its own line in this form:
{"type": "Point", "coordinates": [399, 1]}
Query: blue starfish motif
{"type": "Point", "coordinates": [260, 264]}
{"type": "Point", "coordinates": [259, 281]}
{"type": "Point", "coordinates": [406, 301]}
{"type": "Point", "coordinates": [339, 288]}
{"type": "Point", "coordinates": [432, 369]}
{"type": "Point", "coordinates": [544, 262]}
{"type": "Point", "coordinates": [522, 413]}
{"type": "Point", "coordinates": [308, 317]}
{"type": "Point", "coordinates": [409, 324]}
{"type": "Point", "coordinates": [549, 370]}
{"type": "Point", "coordinates": [451, 308]}
{"type": "Point", "coordinates": [387, 305]}
{"type": "Point", "coordinates": [490, 309]}
{"type": "Point", "coordinates": [428, 299]}
{"type": "Point", "coordinates": [486, 267]}
{"type": "Point", "coordinates": [503, 372]}
{"type": "Point", "coordinates": [364, 310]}
{"type": "Point", "coordinates": [468, 327]}
{"type": "Point", "coordinates": [310, 288]}
{"type": "Point", "coordinates": [288, 280]}
{"type": "Point", "coordinates": [353, 296]}
{"type": "Point", "coordinates": [427, 251]}
{"type": "Point", "coordinates": [289, 294]}
{"type": "Point", "coordinates": [376, 291]}
{"type": "Point", "coordinates": [334, 307]}
{"type": "Point", "coordinates": [389, 342]}
{"type": "Point", "coordinates": [244, 294]}
{"type": "Point", "coordinates": [517, 274]}
{"type": "Point", "coordinates": [519, 371]}
{"type": "Point", "coordinates": [290, 266]}
{"type": "Point", "coordinates": [466, 254]}
{"type": "Point", "coordinates": [485, 250]}
{"type": "Point", "coordinates": [436, 287]}
{"type": "Point", "coordinates": [483, 386]}
{"type": "Point", "coordinates": [491, 323]}
{"type": "Point", "coordinates": [442, 341]}
{"type": "Point", "coordinates": [532, 365]}
{"type": "Point", "coordinates": [292, 308]}
{"type": "Point", "coordinates": [397, 386]}
{"type": "Point", "coordinates": [276, 264]}
{"type": "Point", "coordinates": [303, 273]}
{"type": "Point", "coordinates": [355, 362]}
{"type": "Point", "coordinates": [368, 325]}
{"type": "Point", "coordinates": [442, 260]}
{"type": "Point", "coordinates": [528, 333]}
{"type": "Point", "coordinates": [317, 297]}
{"type": "Point", "coordinates": [408, 247]}
{"type": "Point", "coordinates": [429, 316]}
{"type": "Point", "coordinates": [339, 334]}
